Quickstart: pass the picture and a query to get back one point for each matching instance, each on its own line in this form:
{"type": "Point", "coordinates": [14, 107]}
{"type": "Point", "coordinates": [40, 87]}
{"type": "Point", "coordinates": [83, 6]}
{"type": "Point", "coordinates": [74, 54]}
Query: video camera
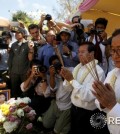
{"type": "Point", "coordinates": [48, 17]}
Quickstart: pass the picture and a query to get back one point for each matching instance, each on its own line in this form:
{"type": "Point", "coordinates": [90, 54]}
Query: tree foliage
{"type": "Point", "coordinates": [23, 16]}
{"type": "Point", "coordinates": [66, 8]}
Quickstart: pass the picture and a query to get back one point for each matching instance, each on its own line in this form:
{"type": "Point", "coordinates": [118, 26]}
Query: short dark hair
{"type": "Point", "coordinates": [116, 32]}
{"type": "Point", "coordinates": [7, 33]}
{"type": "Point", "coordinates": [52, 58]}
{"type": "Point", "coordinates": [76, 17]}
{"type": "Point", "coordinates": [91, 46]}
{"type": "Point", "coordinates": [35, 62]}
{"type": "Point", "coordinates": [102, 21]}
{"type": "Point", "coordinates": [32, 26]}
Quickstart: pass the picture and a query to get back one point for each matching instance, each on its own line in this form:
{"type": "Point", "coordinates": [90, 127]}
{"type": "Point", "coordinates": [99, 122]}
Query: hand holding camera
{"type": "Point", "coordinates": [34, 71]}
{"type": "Point", "coordinates": [103, 34]}
{"type": "Point", "coordinates": [48, 17]}
{"type": "Point", "coordinates": [42, 17]}
{"type": "Point", "coordinates": [66, 50]}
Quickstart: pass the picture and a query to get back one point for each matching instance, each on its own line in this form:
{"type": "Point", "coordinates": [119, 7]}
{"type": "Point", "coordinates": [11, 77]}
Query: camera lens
{"type": "Point", "coordinates": [48, 17]}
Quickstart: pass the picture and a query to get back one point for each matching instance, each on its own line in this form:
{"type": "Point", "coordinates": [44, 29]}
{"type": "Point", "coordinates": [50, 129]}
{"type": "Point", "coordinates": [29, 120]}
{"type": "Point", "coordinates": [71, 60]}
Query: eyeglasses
{"type": "Point", "coordinates": [113, 51]}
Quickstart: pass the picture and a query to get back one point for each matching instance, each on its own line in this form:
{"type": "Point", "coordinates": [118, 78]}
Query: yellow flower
{"type": "Point", "coordinates": [5, 109]}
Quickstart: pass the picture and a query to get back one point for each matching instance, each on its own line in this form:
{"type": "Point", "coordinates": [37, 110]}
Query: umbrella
{"type": "Point", "coordinates": [4, 22]}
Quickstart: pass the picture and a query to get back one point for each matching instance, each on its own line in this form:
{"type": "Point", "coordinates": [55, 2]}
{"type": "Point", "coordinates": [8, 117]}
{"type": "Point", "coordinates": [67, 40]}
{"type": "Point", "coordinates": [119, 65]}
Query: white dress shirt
{"type": "Point", "coordinates": [81, 95]}
{"type": "Point", "coordinates": [115, 111]}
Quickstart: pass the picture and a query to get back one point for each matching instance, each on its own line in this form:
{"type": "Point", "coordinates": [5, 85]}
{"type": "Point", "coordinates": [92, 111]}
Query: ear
{"type": "Point", "coordinates": [92, 54]}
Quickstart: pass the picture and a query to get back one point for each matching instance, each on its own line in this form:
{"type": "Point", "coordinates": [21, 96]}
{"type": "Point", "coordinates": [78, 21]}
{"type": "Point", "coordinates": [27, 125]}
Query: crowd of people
{"type": "Point", "coordinates": [69, 74]}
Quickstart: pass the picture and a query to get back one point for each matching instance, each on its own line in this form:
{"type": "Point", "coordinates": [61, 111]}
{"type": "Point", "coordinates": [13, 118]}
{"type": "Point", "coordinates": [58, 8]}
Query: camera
{"type": "Point", "coordinates": [48, 17]}
{"type": "Point", "coordinates": [79, 30]}
{"type": "Point", "coordinates": [94, 31]}
{"type": "Point", "coordinates": [57, 66]}
{"type": "Point", "coordinates": [3, 44]}
{"type": "Point", "coordinates": [70, 48]}
{"type": "Point", "coordinates": [40, 68]}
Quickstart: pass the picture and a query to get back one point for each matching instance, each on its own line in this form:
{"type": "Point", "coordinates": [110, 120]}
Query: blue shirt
{"type": "Point", "coordinates": [44, 53]}
{"type": "Point", "coordinates": [70, 61]}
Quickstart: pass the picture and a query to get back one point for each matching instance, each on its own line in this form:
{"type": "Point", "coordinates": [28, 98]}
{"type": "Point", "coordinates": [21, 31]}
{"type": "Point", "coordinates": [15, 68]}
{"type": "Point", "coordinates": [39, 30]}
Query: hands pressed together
{"type": "Point", "coordinates": [105, 94]}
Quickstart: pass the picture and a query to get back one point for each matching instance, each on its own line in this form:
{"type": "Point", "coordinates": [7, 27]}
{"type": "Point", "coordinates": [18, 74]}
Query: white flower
{"type": "Point", "coordinates": [18, 101]}
{"type": "Point", "coordinates": [12, 101]}
{"type": "Point", "coordinates": [2, 118]}
{"type": "Point", "coordinates": [25, 100]}
{"type": "Point", "coordinates": [20, 112]}
{"type": "Point", "coordinates": [10, 126]}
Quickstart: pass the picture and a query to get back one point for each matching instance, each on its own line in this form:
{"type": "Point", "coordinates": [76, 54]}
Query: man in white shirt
{"type": "Point", "coordinates": [108, 94]}
{"type": "Point", "coordinates": [82, 98]}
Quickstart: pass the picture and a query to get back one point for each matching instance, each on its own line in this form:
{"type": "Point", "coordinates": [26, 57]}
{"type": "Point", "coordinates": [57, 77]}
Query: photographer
{"type": "Point", "coordinates": [36, 87]}
{"type": "Point", "coordinates": [37, 38]}
{"type": "Point", "coordinates": [68, 49]}
{"type": "Point", "coordinates": [5, 40]}
{"type": "Point", "coordinates": [58, 115]}
{"type": "Point", "coordinates": [97, 36]}
{"type": "Point", "coordinates": [77, 34]}
{"type": "Point", "coordinates": [50, 25]}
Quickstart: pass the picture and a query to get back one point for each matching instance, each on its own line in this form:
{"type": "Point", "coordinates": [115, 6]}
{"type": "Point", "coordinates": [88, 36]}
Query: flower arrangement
{"type": "Point", "coordinates": [16, 116]}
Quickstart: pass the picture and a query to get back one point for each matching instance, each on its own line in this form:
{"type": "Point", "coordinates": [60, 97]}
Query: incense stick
{"type": "Point", "coordinates": [91, 66]}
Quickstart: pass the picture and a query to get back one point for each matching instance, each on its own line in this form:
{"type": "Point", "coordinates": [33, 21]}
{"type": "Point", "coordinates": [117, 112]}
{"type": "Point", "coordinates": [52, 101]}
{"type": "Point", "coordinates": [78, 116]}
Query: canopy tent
{"type": "Point", "coordinates": [103, 8]}
{"type": "Point", "coordinates": [4, 22]}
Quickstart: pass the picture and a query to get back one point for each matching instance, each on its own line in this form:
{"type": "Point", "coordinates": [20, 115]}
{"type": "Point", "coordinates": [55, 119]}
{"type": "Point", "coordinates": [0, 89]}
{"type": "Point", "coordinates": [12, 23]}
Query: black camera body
{"type": "Point", "coordinates": [3, 44]}
{"type": "Point", "coordinates": [40, 68]}
{"type": "Point", "coordinates": [94, 31]}
{"type": "Point", "coordinates": [48, 17]}
{"type": "Point", "coordinates": [79, 30]}
{"type": "Point", "coordinates": [57, 66]}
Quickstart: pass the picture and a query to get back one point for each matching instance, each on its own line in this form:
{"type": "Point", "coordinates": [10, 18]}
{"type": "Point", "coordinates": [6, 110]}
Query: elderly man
{"type": "Point", "coordinates": [82, 98]}
{"type": "Point", "coordinates": [108, 94]}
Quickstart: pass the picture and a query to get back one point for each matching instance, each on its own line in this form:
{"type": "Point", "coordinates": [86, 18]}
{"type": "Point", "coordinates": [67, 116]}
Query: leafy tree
{"type": "Point", "coordinates": [66, 8]}
{"type": "Point", "coordinates": [23, 16]}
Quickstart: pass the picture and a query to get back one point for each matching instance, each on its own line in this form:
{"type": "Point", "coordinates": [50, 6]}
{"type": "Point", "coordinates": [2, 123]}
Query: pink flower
{"type": "Point", "coordinates": [31, 115]}
{"type": "Point", "coordinates": [27, 109]}
{"type": "Point", "coordinates": [12, 109]}
{"type": "Point", "coordinates": [29, 126]}
{"type": "Point", "coordinates": [12, 118]}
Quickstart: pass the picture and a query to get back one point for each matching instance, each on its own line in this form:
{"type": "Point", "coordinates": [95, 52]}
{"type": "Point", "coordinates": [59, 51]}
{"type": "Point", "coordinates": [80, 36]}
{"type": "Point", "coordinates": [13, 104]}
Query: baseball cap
{"type": "Point", "coordinates": [65, 30]}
